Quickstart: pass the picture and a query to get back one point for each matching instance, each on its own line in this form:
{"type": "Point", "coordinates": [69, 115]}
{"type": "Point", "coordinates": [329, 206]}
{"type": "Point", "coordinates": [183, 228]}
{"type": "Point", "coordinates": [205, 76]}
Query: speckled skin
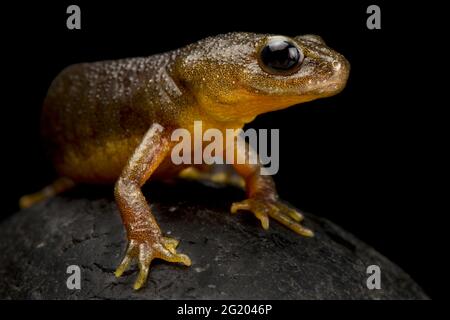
{"type": "Point", "coordinates": [110, 122]}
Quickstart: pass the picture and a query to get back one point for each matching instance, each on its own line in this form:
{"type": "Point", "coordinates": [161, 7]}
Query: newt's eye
{"type": "Point", "coordinates": [280, 56]}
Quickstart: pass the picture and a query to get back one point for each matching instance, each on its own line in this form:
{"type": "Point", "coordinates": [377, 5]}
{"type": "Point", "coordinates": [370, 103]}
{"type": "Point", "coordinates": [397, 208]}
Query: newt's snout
{"type": "Point", "coordinates": [336, 83]}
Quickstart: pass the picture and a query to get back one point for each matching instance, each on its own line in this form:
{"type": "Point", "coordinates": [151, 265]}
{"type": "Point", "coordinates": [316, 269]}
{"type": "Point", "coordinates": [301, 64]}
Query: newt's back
{"type": "Point", "coordinates": [95, 114]}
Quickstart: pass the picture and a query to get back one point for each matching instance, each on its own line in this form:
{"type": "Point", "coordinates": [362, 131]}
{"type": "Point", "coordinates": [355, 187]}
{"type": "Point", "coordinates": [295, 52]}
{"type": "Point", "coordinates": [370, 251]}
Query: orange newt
{"type": "Point", "coordinates": [111, 122]}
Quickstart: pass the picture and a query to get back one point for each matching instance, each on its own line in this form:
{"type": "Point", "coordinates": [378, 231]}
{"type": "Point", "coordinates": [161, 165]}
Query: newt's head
{"type": "Point", "coordinates": [237, 76]}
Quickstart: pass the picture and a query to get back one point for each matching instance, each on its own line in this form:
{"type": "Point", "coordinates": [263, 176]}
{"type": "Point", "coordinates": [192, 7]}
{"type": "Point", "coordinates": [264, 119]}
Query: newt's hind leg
{"type": "Point", "coordinates": [58, 186]}
{"type": "Point", "coordinates": [217, 173]}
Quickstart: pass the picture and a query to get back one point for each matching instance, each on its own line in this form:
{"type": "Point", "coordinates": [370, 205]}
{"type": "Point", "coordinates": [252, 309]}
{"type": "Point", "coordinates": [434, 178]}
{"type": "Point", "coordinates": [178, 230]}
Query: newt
{"type": "Point", "coordinates": [110, 122]}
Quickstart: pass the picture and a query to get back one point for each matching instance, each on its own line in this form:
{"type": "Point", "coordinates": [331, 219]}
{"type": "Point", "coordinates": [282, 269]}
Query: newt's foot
{"type": "Point", "coordinates": [264, 208]}
{"type": "Point", "coordinates": [218, 174]}
{"type": "Point", "coordinates": [145, 250]}
{"type": "Point", "coordinates": [58, 186]}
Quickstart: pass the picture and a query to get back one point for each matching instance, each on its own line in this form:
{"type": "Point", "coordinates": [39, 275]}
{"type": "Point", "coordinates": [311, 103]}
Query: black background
{"type": "Point", "coordinates": [355, 158]}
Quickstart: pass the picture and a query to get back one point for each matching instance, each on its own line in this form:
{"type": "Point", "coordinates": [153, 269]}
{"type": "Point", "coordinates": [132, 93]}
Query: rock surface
{"type": "Point", "coordinates": [233, 257]}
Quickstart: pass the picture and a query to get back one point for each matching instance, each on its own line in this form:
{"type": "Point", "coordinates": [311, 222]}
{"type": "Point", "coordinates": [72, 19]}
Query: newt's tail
{"type": "Point", "coordinates": [58, 186]}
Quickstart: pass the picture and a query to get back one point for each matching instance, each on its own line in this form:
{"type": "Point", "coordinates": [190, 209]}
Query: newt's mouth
{"type": "Point", "coordinates": [330, 89]}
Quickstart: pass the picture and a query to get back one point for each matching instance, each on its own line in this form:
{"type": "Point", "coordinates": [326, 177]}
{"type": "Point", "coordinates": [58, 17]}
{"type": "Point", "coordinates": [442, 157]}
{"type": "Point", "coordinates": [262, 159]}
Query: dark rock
{"type": "Point", "coordinates": [233, 257]}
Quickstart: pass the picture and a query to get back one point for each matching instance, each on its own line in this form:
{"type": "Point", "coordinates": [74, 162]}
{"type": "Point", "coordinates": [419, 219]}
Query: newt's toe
{"type": "Point", "coordinates": [145, 250]}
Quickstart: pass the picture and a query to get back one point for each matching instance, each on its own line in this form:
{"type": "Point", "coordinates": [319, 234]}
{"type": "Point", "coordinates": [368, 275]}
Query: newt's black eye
{"type": "Point", "coordinates": [279, 56]}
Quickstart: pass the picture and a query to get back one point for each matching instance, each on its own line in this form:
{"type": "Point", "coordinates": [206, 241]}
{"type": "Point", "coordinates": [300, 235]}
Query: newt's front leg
{"type": "Point", "coordinates": [263, 199]}
{"type": "Point", "coordinates": [145, 240]}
